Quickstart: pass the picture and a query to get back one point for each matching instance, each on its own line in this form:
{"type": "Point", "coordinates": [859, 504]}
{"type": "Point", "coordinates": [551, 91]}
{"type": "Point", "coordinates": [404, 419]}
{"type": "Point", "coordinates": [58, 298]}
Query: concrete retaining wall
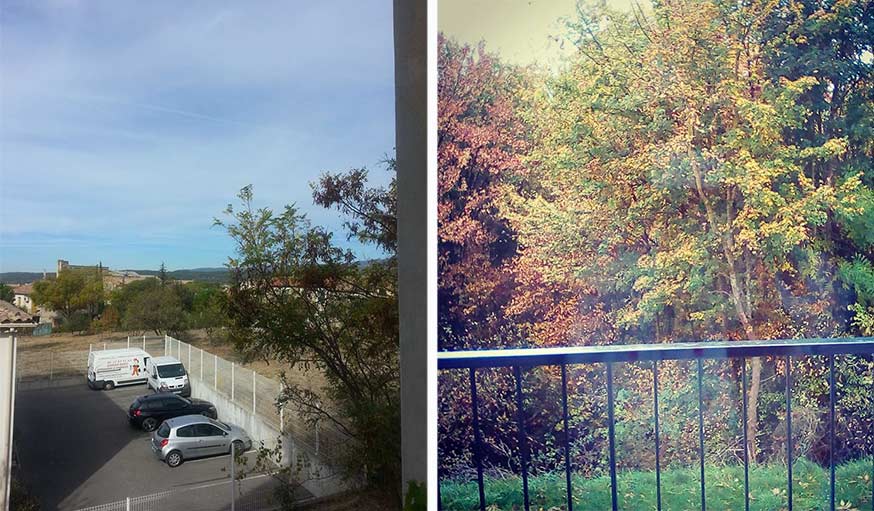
{"type": "Point", "coordinates": [320, 479]}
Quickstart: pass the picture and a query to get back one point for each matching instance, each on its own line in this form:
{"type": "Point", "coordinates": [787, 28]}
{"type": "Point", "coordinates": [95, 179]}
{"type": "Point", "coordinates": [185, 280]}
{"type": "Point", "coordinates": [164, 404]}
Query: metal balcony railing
{"type": "Point", "coordinates": [519, 359]}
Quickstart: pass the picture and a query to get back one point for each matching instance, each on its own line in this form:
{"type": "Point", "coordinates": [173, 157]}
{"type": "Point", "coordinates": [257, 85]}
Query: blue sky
{"type": "Point", "coordinates": [127, 126]}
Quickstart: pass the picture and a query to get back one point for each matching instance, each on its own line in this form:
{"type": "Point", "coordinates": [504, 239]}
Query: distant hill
{"type": "Point", "coordinates": [21, 277]}
{"type": "Point", "coordinates": [213, 275]}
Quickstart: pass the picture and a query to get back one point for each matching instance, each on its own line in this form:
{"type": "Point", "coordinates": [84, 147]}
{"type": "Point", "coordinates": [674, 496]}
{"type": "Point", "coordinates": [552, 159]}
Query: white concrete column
{"type": "Point", "coordinates": [411, 141]}
{"type": "Point", "coordinates": [7, 409]}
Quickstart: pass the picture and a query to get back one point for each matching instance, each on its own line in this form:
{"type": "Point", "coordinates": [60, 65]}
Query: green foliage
{"type": "Point", "coordinates": [158, 308]}
{"type": "Point", "coordinates": [71, 291]}
{"type": "Point", "coordinates": [416, 498]}
{"type": "Point", "coordinates": [680, 489]}
{"type": "Point", "coordinates": [168, 306]}
{"type": "Point", "coordinates": [77, 322]}
{"type": "Point", "coordinates": [109, 320]}
{"type": "Point", "coordinates": [299, 299]}
{"type": "Point", "coordinates": [6, 293]}
{"type": "Point", "coordinates": [859, 275]}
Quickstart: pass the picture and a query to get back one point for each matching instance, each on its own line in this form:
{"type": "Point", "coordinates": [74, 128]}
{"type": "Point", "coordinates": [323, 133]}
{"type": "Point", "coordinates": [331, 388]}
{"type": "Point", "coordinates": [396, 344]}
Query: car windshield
{"type": "Point", "coordinates": [171, 370]}
{"type": "Point", "coordinates": [163, 431]}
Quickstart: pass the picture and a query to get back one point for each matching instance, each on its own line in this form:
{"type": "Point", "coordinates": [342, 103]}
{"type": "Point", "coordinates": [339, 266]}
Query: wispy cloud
{"type": "Point", "coordinates": [131, 123]}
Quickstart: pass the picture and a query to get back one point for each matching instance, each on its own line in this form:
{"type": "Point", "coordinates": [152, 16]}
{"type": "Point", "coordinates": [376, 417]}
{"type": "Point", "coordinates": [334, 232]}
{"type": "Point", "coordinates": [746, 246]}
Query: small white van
{"type": "Point", "coordinates": [110, 368]}
{"type": "Point", "coordinates": [167, 374]}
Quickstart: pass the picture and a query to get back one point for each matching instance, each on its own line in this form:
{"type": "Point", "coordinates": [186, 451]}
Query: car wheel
{"type": "Point", "coordinates": [236, 447]}
{"type": "Point", "coordinates": [108, 385]}
{"type": "Point", "coordinates": [149, 424]}
{"type": "Point", "coordinates": [174, 459]}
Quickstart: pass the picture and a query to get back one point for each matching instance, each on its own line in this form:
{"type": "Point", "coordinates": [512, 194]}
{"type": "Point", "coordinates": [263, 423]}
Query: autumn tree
{"type": "Point", "coordinates": [488, 294]}
{"type": "Point", "coordinates": [666, 183]}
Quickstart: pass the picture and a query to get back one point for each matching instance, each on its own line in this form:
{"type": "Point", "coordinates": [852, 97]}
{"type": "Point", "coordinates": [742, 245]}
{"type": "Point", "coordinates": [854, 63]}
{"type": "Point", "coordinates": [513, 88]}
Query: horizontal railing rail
{"type": "Point", "coordinates": [646, 352]}
{"type": "Point", "coordinates": [523, 358]}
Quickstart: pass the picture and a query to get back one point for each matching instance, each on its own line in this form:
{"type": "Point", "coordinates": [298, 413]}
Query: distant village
{"type": "Point", "coordinates": [111, 280]}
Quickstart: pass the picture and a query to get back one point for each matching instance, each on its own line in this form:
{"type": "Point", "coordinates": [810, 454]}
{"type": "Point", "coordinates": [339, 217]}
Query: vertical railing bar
{"type": "Point", "coordinates": [611, 437]}
{"type": "Point", "coordinates": [477, 445]}
{"type": "Point", "coordinates": [523, 444]}
{"type": "Point", "coordinates": [655, 406]}
{"type": "Point", "coordinates": [831, 430]}
{"type": "Point", "coordinates": [567, 445]}
{"type": "Point", "coordinates": [743, 362]}
{"type": "Point", "coordinates": [789, 427]}
{"type": "Point", "coordinates": [701, 428]}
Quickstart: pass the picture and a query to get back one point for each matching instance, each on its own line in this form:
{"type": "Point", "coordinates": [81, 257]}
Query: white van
{"type": "Point", "coordinates": [110, 368]}
{"type": "Point", "coordinates": [167, 374]}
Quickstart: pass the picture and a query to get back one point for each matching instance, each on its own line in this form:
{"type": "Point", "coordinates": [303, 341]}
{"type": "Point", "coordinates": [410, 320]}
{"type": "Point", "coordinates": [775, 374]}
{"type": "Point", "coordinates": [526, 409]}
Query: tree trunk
{"type": "Point", "coordinates": [739, 296]}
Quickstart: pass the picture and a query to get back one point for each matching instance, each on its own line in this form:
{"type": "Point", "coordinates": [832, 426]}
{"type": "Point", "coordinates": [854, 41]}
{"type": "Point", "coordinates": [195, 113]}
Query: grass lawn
{"type": "Point", "coordinates": [680, 490]}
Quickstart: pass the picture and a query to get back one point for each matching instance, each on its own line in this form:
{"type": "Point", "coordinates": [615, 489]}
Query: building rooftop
{"type": "Point", "coordinates": [23, 289]}
{"type": "Point", "coordinates": [12, 315]}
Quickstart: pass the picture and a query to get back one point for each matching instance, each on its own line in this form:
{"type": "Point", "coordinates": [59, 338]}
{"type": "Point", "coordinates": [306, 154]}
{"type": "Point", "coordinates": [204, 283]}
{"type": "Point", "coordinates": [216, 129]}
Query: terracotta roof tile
{"type": "Point", "coordinates": [10, 314]}
{"type": "Point", "coordinates": [23, 289]}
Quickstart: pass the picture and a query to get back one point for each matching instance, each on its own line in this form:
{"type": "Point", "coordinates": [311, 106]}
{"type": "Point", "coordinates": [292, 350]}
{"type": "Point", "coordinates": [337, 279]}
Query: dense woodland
{"type": "Point", "coordinates": [698, 170]}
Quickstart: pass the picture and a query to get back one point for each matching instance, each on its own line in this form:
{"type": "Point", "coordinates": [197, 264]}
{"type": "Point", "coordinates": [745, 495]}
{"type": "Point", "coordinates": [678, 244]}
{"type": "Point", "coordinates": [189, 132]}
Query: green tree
{"type": "Point", "coordinates": [162, 274]}
{"type": "Point", "coordinates": [298, 298]}
{"type": "Point", "coordinates": [6, 293]}
{"type": "Point", "coordinates": [72, 290]}
{"type": "Point", "coordinates": [157, 308]}
{"type": "Point", "coordinates": [206, 304]}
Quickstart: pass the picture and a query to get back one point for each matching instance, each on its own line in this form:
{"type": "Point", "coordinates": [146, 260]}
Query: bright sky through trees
{"type": "Point", "coordinates": [521, 31]}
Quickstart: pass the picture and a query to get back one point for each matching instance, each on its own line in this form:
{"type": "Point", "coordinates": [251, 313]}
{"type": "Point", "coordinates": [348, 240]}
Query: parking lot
{"type": "Point", "coordinates": [76, 449]}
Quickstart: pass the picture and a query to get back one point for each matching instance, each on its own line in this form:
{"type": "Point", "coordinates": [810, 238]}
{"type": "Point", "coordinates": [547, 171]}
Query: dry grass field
{"type": "Point", "coordinates": [37, 349]}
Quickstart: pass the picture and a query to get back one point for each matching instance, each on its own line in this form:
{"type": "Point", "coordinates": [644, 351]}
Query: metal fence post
{"type": "Point", "coordinates": [254, 384]}
{"type": "Point", "coordinates": [233, 477]}
{"type": "Point", "coordinates": [281, 409]}
{"type": "Point", "coordinates": [128, 342]}
{"type": "Point", "coordinates": [215, 372]}
{"type": "Point", "coordinates": [104, 346]}
{"type": "Point", "coordinates": [201, 364]}
{"type": "Point", "coordinates": [232, 381]}
{"type": "Point", "coordinates": [144, 343]}
{"type": "Point", "coordinates": [51, 365]}
{"type": "Point", "coordinates": [90, 347]}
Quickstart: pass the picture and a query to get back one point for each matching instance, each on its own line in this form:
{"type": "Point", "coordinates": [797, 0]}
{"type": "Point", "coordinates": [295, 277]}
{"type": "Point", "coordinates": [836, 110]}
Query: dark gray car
{"type": "Point", "coordinates": [196, 436]}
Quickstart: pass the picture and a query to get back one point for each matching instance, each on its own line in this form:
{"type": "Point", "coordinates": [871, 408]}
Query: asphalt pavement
{"type": "Point", "coordinates": [76, 449]}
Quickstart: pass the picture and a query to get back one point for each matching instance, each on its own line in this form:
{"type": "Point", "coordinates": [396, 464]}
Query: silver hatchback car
{"type": "Point", "coordinates": [195, 436]}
